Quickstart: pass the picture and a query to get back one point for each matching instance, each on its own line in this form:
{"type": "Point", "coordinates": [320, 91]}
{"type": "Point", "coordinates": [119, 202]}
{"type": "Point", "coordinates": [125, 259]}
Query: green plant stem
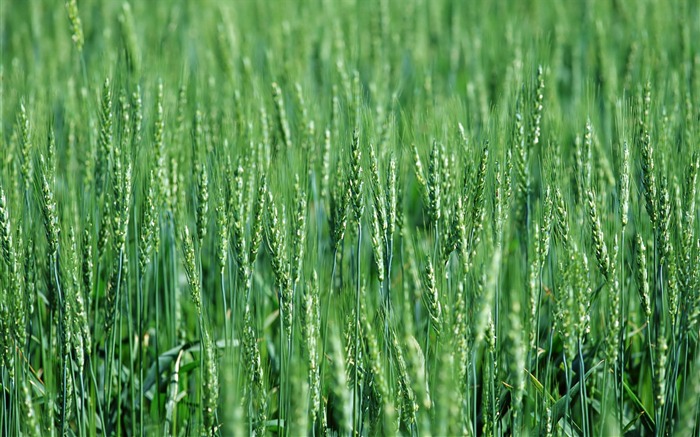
{"type": "Point", "coordinates": [54, 262]}
{"type": "Point", "coordinates": [141, 335]}
{"type": "Point", "coordinates": [356, 409]}
{"type": "Point", "coordinates": [567, 373]}
{"type": "Point", "coordinates": [620, 366]}
{"type": "Point", "coordinates": [281, 393]}
{"type": "Point", "coordinates": [584, 397]}
{"type": "Point", "coordinates": [227, 328]}
{"type": "Point", "coordinates": [327, 314]}
{"type": "Point", "coordinates": [132, 383]}
{"type": "Point", "coordinates": [156, 348]}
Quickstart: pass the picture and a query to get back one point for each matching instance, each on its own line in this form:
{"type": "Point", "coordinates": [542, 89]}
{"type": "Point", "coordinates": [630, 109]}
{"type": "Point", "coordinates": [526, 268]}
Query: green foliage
{"type": "Point", "coordinates": [185, 187]}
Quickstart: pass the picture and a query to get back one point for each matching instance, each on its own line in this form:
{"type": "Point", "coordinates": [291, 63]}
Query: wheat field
{"type": "Point", "coordinates": [350, 217]}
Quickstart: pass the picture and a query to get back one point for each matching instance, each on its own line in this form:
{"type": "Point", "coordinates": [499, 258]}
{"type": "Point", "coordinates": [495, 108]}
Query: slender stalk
{"type": "Point", "coordinates": [356, 409]}
{"type": "Point", "coordinates": [327, 313]}
{"type": "Point", "coordinates": [132, 383]}
{"type": "Point", "coordinates": [141, 317]}
{"type": "Point", "coordinates": [156, 343]}
{"type": "Point", "coordinates": [54, 258]}
{"type": "Point", "coordinates": [113, 341]}
{"type": "Point", "coordinates": [281, 392]}
{"type": "Point", "coordinates": [227, 328]}
{"type": "Point", "coordinates": [620, 366]}
{"type": "Point", "coordinates": [567, 374]}
{"type": "Point", "coordinates": [475, 419]}
{"type": "Point", "coordinates": [582, 382]}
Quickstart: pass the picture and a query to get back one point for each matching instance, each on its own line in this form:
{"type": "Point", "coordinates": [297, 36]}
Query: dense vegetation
{"type": "Point", "coordinates": [419, 217]}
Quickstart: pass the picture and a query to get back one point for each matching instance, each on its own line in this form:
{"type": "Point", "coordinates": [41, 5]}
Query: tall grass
{"type": "Point", "coordinates": [349, 218]}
